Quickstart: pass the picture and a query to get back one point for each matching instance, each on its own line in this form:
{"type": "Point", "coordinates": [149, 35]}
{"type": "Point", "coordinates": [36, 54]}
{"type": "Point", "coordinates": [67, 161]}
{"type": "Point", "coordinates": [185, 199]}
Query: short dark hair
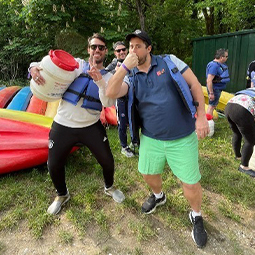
{"type": "Point", "coordinates": [97, 36]}
{"type": "Point", "coordinates": [220, 53]}
{"type": "Point", "coordinates": [117, 44]}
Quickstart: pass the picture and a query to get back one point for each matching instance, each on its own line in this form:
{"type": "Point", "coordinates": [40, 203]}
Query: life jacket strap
{"type": "Point", "coordinates": [89, 98]}
{"type": "Point", "coordinates": [218, 79]}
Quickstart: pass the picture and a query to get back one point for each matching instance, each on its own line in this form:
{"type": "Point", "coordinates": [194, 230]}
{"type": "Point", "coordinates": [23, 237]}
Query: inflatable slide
{"type": "Point", "coordinates": [25, 122]}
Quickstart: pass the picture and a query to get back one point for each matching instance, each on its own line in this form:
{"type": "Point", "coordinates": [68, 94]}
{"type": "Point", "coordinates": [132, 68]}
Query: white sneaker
{"type": "Point", "coordinates": [55, 207]}
{"type": "Point", "coordinates": [127, 152]}
{"type": "Point", "coordinates": [116, 194]}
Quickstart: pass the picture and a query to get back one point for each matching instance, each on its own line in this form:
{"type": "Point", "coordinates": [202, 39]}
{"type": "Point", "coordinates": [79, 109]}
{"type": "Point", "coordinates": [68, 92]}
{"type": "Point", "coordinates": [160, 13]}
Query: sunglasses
{"type": "Point", "coordinates": [119, 50]}
{"type": "Point", "coordinates": [95, 46]}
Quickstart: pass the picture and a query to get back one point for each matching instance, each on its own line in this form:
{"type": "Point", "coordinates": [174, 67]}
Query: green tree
{"type": "Point", "coordinates": [223, 16]}
{"type": "Point", "coordinates": [32, 27]}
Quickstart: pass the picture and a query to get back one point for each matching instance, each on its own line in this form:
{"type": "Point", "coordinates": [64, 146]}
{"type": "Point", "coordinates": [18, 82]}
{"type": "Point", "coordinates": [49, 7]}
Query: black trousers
{"type": "Point", "coordinates": [122, 110]}
{"type": "Point", "coordinates": [61, 141]}
{"type": "Point", "coordinates": [242, 124]}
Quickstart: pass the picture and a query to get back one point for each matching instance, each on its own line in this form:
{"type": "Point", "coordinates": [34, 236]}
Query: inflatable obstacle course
{"type": "Point", "coordinates": [25, 122]}
{"type": "Point", "coordinates": [6, 95]}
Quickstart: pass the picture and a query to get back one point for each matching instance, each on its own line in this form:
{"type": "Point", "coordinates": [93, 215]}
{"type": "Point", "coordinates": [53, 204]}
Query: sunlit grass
{"type": "Point", "coordinates": [26, 195]}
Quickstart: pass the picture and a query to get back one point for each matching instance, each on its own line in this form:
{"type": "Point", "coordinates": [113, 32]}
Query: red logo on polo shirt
{"type": "Point", "coordinates": [160, 72]}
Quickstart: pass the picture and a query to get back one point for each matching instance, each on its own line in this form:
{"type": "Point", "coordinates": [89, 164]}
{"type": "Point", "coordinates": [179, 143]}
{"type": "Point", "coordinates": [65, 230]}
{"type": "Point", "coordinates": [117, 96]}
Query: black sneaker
{"type": "Point", "coordinates": [198, 233]}
{"type": "Point", "coordinates": [150, 205]}
{"type": "Point", "coordinates": [249, 171]}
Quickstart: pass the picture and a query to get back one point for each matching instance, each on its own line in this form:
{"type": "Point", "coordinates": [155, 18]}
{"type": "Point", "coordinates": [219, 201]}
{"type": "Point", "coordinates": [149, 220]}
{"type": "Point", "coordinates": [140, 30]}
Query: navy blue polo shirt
{"type": "Point", "coordinates": [161, 109]}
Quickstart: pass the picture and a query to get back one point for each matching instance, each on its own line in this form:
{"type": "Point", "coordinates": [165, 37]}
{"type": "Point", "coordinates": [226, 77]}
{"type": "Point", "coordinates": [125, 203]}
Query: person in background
{"type": "Point", "coordinates": [217, 77]}
{"type": "Point", "coordinates": [79, 124]}
{"type": "Point", "coordinates": [120, 51]}
{"type": "Point", "coordinates": [251, 75]}
{"type": "Point", "coordinates": [240, 113]}
{"type": "Point", "coordinates": [167, 125]}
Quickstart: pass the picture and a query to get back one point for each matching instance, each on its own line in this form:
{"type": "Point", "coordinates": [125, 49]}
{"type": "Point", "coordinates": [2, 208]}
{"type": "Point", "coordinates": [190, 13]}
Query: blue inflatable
{"type": "Point", "coordinates": [21, 100]}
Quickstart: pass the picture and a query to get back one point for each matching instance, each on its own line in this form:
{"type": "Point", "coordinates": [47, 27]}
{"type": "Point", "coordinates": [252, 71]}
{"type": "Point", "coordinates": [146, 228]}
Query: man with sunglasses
{"type": "Point", "coordinates": [217, 77]}
{"type": "Point", "coordinates": [78, 124]}
{"type": "Point", "coordinates": [120, 51]}
{"type": "Point", "coordinates": [167, 126]}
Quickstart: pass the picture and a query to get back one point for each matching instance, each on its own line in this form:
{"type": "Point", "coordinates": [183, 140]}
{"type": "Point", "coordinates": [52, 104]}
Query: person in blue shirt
{"type": "Point", "coordinates": [169, 133]}
{"type": "Point", "coordinates": [217, 76]}
{"type": "Point", "coordinates": [120, 51]}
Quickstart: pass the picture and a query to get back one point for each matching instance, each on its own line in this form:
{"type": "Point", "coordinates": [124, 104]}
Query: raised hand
{"type": "Point", "coordinates": [94, 72]}
{"type": "Point", "coordinates": [131, 61]}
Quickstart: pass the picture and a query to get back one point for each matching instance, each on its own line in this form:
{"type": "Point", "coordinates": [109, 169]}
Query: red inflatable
{"type": "Point", "coordinates": [110, 115]}
{"type": "Point", "coordinates": [22, 145]}
{"type": "Point", "coordinates": [37, 105]}
{"type": "Point", "coordinates": [102, 117]}
{"type": "Point", "coordinates": [7, 94]}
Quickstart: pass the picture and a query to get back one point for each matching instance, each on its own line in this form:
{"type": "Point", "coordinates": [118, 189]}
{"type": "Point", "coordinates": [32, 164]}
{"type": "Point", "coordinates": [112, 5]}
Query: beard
{"type": "Point", "coordinates": [99, 61]}
{"type": "Point", "coordinates": [142, 60]}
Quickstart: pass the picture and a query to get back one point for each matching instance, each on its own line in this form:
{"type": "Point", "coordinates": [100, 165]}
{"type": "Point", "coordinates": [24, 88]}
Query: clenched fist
{"type": "Point", "coordinates": [131, 61]}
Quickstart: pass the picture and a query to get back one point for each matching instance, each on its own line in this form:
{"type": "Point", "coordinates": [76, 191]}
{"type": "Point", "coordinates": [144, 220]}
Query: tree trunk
{"type": "Point", "coordinates": [209, 20]}
{"type": "Point", "coordinates": [140, 13]}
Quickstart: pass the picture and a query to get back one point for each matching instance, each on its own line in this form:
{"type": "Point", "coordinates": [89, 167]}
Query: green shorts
{"type": "Point", "coordinates": [181, 156]}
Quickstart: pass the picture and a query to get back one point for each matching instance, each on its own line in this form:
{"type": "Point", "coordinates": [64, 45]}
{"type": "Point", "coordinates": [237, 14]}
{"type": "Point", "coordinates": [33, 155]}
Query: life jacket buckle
{"type": "Point", "coordinates": [175, 70]}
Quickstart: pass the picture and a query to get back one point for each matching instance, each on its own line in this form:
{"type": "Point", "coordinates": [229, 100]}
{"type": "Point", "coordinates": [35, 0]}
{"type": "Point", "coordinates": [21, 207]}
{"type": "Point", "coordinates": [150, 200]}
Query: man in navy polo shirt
{"type": "Point", "coordinates": [167, 126]}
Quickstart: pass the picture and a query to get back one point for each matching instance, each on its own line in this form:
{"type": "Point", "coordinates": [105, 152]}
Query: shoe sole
{"type": "Point", "coordinates": [151, 211]}
{"type": "Point", "coordinates": [192, 233]}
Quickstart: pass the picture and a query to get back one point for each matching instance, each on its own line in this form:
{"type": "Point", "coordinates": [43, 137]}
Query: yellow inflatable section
{"type": "Point", "coordinates": [51, 109]}
{"type": "Point", "coordinates": [224, 98]}
{"type": "Point", "coordinates": [26, 117]}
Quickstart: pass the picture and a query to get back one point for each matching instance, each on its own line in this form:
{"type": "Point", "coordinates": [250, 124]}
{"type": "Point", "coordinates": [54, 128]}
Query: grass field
{"type": "Point", "coordinates": [228, 198]}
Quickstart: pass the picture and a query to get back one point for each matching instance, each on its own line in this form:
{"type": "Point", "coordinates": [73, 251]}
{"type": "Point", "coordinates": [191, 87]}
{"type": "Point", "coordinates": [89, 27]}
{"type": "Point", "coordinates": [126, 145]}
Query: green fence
{"type": "Point", "coordinates": [241, 47]}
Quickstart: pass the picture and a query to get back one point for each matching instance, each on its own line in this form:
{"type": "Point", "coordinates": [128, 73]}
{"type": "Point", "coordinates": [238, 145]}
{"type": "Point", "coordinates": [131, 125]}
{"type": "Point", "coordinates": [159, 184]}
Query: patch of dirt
{"type": "Point", "coordinates": [225, 236]}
